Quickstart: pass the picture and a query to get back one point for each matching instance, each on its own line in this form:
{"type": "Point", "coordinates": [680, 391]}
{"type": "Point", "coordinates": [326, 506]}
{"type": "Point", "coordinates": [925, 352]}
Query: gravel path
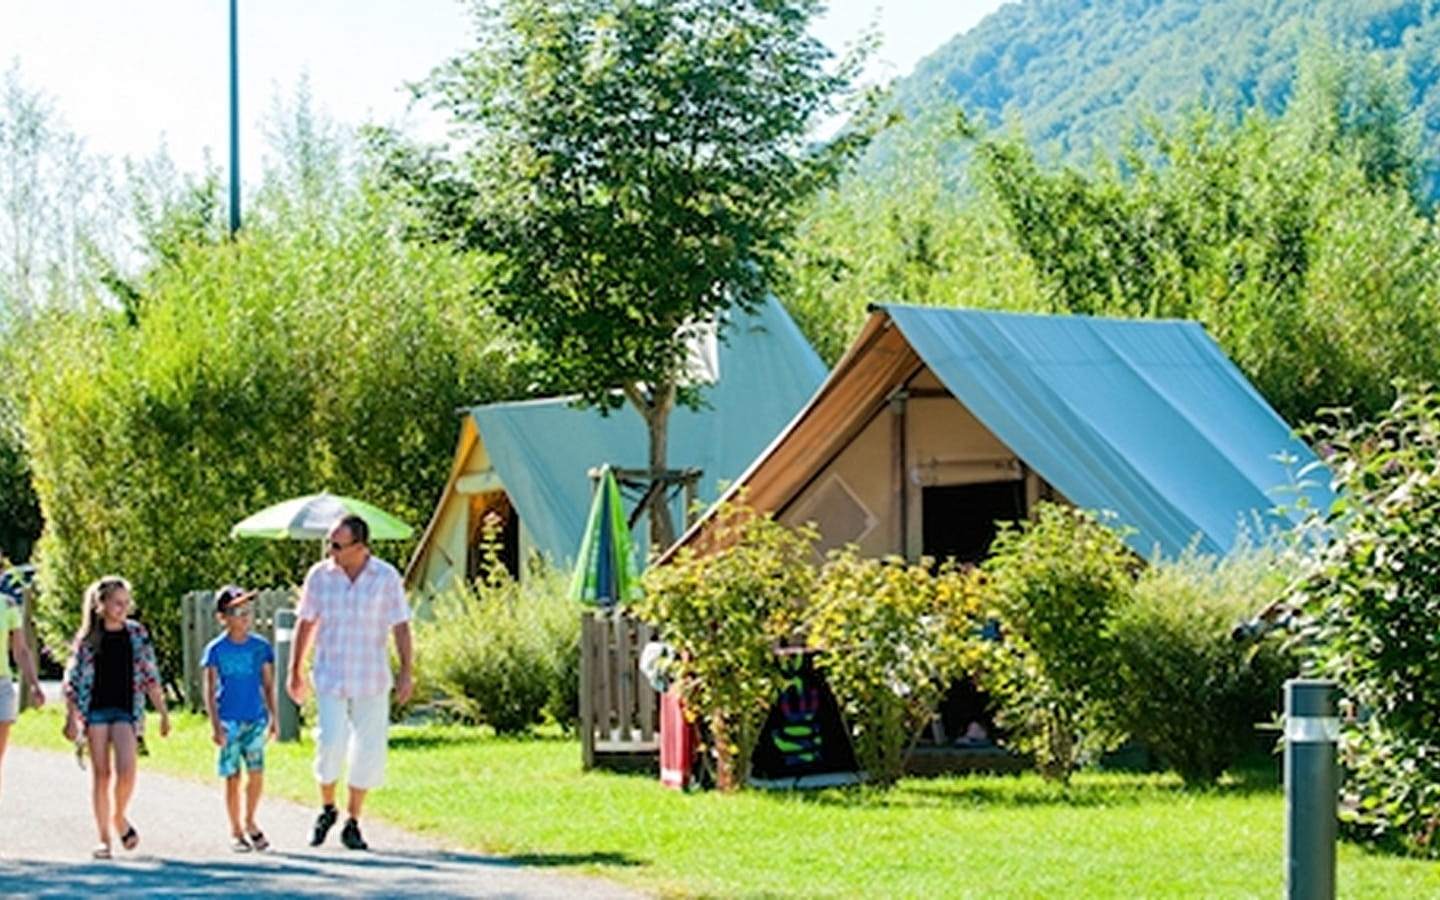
{"type": "Point", "coordinates": [47, 832]}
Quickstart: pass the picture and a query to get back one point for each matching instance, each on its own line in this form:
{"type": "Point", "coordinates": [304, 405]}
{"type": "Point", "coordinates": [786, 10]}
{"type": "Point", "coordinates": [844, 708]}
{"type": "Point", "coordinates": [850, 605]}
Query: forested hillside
{"type": "Point", "coordinates": [1303, 240]}
{"type": "Point", "coordinates": [1077, 74]}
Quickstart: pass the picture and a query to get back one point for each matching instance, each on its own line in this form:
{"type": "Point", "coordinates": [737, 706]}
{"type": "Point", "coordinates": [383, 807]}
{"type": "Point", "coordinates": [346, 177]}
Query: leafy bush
{"type": "Point", "coordinates": [895, 635]}
{"type": "Point", "coordinates": [1371, 586]}
{"type": "Point", "coordinates": [1187, 690]}
{"type": "Point", "coordinates": [501, 652]}
{"type": "Point", "coordinates": [1057, 581]}
{"type": "Point", "coordinates": [290, 361]}
{"type": "Point", "coordinates": [726, 609]}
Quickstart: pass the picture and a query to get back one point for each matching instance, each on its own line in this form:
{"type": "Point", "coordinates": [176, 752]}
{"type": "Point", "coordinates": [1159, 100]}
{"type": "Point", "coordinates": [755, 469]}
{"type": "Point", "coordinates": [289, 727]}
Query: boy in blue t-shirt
{"type": "Point", "coordinates": [240, 700]}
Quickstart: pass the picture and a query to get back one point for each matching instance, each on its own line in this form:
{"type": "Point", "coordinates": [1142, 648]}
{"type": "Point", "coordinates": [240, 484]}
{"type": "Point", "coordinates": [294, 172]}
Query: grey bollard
{"type": "Point", "coordinates": [1311, 732]}
{"type": "Point", "coordinates": [285, 708]}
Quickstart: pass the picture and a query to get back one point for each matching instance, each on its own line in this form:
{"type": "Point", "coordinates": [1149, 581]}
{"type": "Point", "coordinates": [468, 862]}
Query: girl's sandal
{"type": "Point", "coordinates": [130, 838]}
{"type": "Point", "coordinates": [101, 851]}
{"type": "Point", "coordinates": [258, 840]}
{"type": "Point", "coordinates": [239, 844]}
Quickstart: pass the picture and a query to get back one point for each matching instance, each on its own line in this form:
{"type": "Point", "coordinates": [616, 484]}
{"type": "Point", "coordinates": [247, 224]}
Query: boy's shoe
{"type": "Point", "coordinates": [323, 823]}
{"type": "Point", "coordinates": [350, 836]}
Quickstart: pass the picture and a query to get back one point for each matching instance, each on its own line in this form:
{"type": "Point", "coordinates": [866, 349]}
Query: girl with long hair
{"type": "Point", "coordinates": [111, 671]}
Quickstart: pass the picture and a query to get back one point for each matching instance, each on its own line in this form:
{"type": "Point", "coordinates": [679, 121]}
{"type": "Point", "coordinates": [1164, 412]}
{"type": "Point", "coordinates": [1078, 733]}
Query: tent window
{"type": "Point", "coordinates": [959, 519]}
{"type": "Point", "coordinates": [842, 518]}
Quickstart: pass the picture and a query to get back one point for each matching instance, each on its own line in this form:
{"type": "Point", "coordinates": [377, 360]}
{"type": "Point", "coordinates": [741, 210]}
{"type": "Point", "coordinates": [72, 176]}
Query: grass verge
{"type": "Point", "coordinates": [1106, 835]}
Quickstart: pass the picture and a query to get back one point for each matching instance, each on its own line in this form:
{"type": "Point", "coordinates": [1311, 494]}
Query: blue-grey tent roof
{"type": "Point", "coordinates": [542, 450]}
{"type": "Point", "coordinates": [1147, 418]}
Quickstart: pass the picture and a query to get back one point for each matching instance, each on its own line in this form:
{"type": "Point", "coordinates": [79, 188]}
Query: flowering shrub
{"type": "Point", "coordinates": [1057, 582]}
{"type": "Point", "coordinates": [726, 612]}
{"type": "Point", "coordinates": [894, 636]}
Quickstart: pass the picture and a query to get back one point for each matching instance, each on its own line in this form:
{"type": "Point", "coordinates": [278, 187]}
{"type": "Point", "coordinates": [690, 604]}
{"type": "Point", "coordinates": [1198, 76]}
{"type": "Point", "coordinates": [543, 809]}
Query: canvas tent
{"type": "Point", "coordinates": [938, 422]}
{"type": "Point", "coordinates": [523, 466]}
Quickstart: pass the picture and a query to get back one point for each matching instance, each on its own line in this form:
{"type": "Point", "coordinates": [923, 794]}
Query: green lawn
{"type": "Point", "coordinates": [1108, 835]}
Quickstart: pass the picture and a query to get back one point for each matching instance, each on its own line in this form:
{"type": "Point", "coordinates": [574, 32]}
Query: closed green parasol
{"type": "Point", "coordinates": [605, 569]}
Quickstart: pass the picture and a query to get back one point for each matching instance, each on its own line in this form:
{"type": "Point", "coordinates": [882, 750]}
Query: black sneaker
{"type": "Point", "coordinates": [323, 823]}
{"type": "Point", "coordinates": [350, 836]}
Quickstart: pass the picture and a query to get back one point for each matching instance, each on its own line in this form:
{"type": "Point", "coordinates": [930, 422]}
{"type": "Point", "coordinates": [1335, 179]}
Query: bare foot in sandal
{"type": "Point", "coordinates": [258, 839]}
{"type": "Point", "coordinates": [101, 851]}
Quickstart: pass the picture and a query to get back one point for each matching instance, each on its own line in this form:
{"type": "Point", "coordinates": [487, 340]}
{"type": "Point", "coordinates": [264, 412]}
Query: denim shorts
{"type": "Point", "coordinates": [110, 715]}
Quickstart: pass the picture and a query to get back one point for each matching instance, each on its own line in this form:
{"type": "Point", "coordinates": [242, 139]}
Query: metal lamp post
{"type": "Point", "coordinates": [234, 122]}
{"type": "Point", "coordinates": [1311, 731]}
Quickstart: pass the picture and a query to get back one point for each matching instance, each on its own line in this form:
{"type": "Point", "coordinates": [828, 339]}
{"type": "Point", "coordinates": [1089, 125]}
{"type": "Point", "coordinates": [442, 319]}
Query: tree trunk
{"type": "Point", "coordinates": [662, 528]}
{"type": "Point", "coordinates": [729, 773]}
{"type": "Point", "coordinates": [655, 408]}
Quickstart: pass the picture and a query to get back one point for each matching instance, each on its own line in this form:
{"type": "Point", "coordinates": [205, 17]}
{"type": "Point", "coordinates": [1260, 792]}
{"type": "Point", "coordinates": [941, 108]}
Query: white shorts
{"type": "Point", "coordinates": [9, 700]}
{"type": "Point", "coordinates": [353, 727]}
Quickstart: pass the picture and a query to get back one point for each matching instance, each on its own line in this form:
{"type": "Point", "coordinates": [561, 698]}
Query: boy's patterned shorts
{"type": "Point", "coordinates": [243, 740]}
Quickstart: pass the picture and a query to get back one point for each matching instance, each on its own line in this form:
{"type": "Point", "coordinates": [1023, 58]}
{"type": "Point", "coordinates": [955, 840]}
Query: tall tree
{"type": "Point", "coordinates": [636, 167]}
{"type": "Point", "coordinates": [55, 211]}
{"type": "Point", "coordinates": [57, 204]}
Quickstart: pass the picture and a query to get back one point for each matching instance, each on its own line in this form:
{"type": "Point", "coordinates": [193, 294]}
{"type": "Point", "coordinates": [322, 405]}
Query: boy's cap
{"type": "Point", "coordinates": [232, 595]}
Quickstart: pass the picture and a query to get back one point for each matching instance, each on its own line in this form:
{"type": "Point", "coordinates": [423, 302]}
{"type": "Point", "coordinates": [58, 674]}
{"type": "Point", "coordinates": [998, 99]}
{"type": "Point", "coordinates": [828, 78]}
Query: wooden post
{"type": "Point", "coordinates": [587, 690]}
{"type": "Point", "coordinates": [898, 485]}
{"type": "Point", "coordinates": [620, 629]}
{"type": "Point", "coordinates": [27, 610]}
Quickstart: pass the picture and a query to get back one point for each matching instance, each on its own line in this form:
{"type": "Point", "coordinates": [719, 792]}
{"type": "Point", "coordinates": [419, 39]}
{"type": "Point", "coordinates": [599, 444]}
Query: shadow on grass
{"type": "Point", "coordinates": [619, 860]}
{"type": "Point", "coordinates": [1013, 791]}
{"type": "Point", "coordinates": [422, 738]}
{"type": "Point", "coordinates": [425, 736]}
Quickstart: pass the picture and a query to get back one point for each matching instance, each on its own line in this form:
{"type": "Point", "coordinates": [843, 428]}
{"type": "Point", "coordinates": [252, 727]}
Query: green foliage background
{"type": "Point", "coordinates": [325, 354]}
{"type": "Point", "coordinates": [1286, 206]}
{"type": "Point", "coordinates": [1369, 588]}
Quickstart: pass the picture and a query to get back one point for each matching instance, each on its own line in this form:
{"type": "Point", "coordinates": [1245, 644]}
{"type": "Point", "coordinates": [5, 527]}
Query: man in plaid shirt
{"type": "Point", "coordinates": [349, 605]}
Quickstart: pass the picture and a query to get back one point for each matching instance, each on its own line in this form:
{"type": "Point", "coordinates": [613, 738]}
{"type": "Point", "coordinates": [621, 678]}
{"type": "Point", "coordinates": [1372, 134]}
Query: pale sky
{"type": "Point", "coordinates": [129, 75]}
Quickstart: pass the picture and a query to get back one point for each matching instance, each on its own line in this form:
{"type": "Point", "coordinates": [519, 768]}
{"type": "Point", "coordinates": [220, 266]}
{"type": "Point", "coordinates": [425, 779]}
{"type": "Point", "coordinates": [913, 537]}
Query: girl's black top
{"type": "Point", "coordinates": [114, 673]}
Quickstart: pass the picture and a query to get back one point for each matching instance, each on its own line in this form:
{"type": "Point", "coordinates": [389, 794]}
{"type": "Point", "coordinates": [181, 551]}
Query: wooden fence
{"type": "Point", "coordinates": [27, 599]}
{"type": "Point", "coordinates": [619, 710]}
{"type": "Point", "coordinates": [199, 626]}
